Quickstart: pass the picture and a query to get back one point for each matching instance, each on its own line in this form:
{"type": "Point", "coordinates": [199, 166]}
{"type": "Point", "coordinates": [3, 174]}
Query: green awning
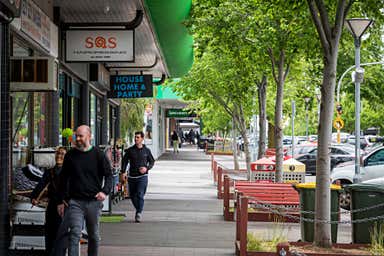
{"type": "Point", "coordinates": [176, 43]}
{"type": "Point", "coordinates": [166, 92]}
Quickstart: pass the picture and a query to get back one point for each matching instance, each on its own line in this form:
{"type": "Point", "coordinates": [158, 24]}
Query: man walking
{"type": "Point", "coordinates": [84, 169]}
{"type": "Point", "coordinates": [140, 162]}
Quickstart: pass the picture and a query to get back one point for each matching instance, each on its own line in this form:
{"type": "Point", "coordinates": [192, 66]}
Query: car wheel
{"type": "Point", "coordinates": [345, 200]}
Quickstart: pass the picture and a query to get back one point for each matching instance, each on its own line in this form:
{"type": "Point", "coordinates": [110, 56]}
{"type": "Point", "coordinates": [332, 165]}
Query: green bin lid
{"type": "Point", "coordinates": [312, 185]}
{"type": "Point", "coordinates": [365, 187]}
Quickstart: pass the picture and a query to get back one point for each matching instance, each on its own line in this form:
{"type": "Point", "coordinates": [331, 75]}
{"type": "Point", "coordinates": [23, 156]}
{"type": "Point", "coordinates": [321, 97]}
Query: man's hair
{"type": "Point", "coordinates": [140, 133]}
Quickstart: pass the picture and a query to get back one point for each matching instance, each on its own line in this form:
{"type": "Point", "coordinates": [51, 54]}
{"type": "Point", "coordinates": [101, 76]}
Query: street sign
{"type": "Point", "coordinates": [179, 113]}
{"type": "Point", "coordinates": [338, 123]}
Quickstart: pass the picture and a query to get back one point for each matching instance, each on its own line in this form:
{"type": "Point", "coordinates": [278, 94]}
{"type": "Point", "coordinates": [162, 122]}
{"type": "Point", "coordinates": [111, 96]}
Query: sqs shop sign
{"type": "Point", "coordinates": [131, 86]}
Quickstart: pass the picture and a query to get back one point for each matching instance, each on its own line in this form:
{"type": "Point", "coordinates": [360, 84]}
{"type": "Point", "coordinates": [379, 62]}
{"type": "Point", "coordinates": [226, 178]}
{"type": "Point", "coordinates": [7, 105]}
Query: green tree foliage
{"type": "Point", "coordinates": [131, 116]}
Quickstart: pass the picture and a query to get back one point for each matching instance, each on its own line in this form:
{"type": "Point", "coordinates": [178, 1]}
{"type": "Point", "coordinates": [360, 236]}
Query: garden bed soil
{"type": "Point", "coordinates": [310, 249]}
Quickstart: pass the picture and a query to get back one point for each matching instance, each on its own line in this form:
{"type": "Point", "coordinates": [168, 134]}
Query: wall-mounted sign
{"type": "Point", "coordinates": [179, 113]}
{"type": "Point", "coordinates": [36, 24]}
{"type": "Point", "coordinates": [131, 86]}
{"type": "Point", "coordinates": [99, 45]}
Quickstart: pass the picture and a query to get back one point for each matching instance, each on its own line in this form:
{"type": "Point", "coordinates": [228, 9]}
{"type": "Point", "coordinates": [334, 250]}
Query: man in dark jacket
{"type": "Point", "coordinates": [140, 162]}
{"type": "Point", "coordinates": [49, 183]}
{"type": "Point", "coordinates": [84, 169]}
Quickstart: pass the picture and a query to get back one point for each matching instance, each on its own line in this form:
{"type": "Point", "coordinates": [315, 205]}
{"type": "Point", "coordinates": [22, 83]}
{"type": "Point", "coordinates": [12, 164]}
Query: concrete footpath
{"type": "Point", "coordinates": [182, 215]}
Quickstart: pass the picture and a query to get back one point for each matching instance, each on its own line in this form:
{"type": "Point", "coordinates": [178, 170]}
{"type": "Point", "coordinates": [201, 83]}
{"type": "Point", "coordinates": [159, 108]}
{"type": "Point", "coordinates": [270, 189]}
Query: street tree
{"type": "Point", "coordinates": [132, 112]}
{"type": "Point", "coordinates": [278, 29]}
{"type": "Point", "coordinates": [220, 80]}
{"type": "Point", "coordinates": [328, 18]}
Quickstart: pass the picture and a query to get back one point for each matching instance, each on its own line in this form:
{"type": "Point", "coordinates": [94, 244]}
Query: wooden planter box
{"type": "Point", "coordinates": [241, 238]}
{"type": "Point", "coordinates": [286, 246]}
{"type": "Point", "coordinates": [259, 215]}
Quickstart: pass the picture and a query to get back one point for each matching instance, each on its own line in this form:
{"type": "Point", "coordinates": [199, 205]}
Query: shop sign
{"type": "Point", "coordinates": [99, 45]}
{"type": "Point", "coordinates": [131, 86]}
{"type": "Point", "coordinates": [179, 113]}
{"type": "Point", "coordinates": [36, 24]}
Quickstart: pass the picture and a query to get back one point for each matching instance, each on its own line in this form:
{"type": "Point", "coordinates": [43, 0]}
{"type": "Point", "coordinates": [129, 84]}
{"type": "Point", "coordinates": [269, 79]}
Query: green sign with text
{"type": "Point", "coordinates": [180, 113]}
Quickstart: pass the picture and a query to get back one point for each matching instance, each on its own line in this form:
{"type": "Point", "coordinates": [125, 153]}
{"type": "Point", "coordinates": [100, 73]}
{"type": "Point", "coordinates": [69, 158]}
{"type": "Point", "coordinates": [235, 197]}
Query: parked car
{"type": "Point", "coordinates": [371, 167]}
{"type": "Point", "coordinates": [203, 140]}
{"type": "Point", "coordinates": [343, 137]}
{"type": "Point", "coordinates": [338, 154]}
{"type": "Point", "coordinates": [301, 149]}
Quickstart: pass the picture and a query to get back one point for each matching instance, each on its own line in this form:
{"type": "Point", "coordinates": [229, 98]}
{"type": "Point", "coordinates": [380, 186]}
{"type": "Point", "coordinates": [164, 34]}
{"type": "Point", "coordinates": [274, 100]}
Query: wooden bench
{"type": "Point", "coordinates": [233, 174]}
{"type": "Point", "coordinates": [281, 196]}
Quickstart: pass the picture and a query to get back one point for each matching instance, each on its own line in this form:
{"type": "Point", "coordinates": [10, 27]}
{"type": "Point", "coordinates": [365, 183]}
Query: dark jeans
{"type": "Point", "coordinates": [78, 211]}
{"type": "Point", "coordinates": [137, 188]}
{"type": "Point", "coordinates": [52, 224]}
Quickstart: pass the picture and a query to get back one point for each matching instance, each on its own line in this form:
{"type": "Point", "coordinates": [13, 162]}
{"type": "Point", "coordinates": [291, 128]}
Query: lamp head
{"type": "Point", "coordinates": [358, 26]}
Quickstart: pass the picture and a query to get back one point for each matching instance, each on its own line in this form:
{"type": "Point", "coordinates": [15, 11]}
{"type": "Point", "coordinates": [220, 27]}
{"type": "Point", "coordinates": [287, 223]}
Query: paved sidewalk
{"type": "Point", "coordinates": [182, 215]}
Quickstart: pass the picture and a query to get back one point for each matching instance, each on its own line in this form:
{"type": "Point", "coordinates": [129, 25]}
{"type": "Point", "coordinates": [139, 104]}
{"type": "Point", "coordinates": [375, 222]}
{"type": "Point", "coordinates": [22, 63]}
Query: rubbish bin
{"type": "Point", "coordinates": [307, 192]}
{"type": "Point", "coordinates": [365, 195]}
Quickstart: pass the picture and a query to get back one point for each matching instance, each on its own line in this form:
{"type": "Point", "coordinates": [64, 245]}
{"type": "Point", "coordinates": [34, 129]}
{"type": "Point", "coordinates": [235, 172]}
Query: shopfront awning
{"type": "Point", "coordinates": [176, 43]}
{"type": "Point", "coordinates": [162, 43]}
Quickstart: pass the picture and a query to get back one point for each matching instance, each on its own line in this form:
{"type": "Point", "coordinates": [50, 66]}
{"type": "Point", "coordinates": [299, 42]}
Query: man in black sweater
{"type": "Point", "coordinates": [140, 162]}
{"type": "Point", "coordinates": [84, 169]}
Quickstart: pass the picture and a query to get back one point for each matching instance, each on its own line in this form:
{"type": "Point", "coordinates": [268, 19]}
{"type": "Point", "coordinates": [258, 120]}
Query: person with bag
{"type": "Point", "coordinates": [49, 185]}
{"type": "Point", "coordinates": [140, 161]}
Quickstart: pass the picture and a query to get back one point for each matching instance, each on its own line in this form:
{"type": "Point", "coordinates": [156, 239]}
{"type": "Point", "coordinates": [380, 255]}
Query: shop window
{"type": "Point", "coordinates": [39, 122]}
{"type": "Point", "coordinates": [20, 113]}
{"type": "Point", "coordinates": [20, 119]}
{"type": "Point", "coordinates": [107, 118]}
{"type": "Point", "coordinates": [95, 118]}
{"type": "Point", "coordinates": [112, 117]}
{"type": "Point", "coordinates": [92, 117]}
{"type": "Point", "coordinates": [69, 103]}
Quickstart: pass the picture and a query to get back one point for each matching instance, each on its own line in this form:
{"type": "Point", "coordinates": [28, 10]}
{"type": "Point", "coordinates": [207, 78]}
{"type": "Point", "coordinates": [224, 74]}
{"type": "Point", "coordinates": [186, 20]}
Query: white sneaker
{"type": "Point", "coordinates": [138, 217]}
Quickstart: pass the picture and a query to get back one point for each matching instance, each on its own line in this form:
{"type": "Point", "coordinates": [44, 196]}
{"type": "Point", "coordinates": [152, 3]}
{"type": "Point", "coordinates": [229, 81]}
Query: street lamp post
{"type": "Point", "coordinates": [357, 27]}
{"type": "Point", "coordinates": [306, 99]}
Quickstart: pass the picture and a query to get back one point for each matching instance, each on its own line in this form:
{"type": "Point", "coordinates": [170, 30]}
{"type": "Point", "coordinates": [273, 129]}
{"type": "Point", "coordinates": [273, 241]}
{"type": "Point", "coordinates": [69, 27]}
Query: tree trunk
{"type": "Point", "coordinates": [323, 165]}
{"type": "Point", "coordinates": [262, 95]}
{"type": "Point", "coordinates": [279, 119]}
{"type": "Point", "coordinates": [240, 120]}
{"type": "Point", "coordinates": [271, 135]}
{"type": "Point", "coordinates": [279, 78]}
{"type": "Point", "coordinates": [329, 38]}
{"type": "Point", "coordinates": [234, 146]}
{"type": "Point", "coordinates": [247, 153]}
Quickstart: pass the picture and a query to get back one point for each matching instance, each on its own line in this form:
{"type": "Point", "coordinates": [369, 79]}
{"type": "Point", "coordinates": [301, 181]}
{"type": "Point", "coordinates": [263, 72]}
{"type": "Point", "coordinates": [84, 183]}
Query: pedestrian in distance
{"type": "Point", "coordinates": [191, 135]}
{"type": "Point", "coordinates": [140, 161]}
{"type": "Point", "coordinates": [175, 141]}
{"type": "Point", "coordinates": [84, 169]}
{"type": "Point", "coordinates": [49, 185]}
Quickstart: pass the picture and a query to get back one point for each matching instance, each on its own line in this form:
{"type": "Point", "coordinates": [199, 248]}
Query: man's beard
{"type": "Point", "coordinates": [80, 146]}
